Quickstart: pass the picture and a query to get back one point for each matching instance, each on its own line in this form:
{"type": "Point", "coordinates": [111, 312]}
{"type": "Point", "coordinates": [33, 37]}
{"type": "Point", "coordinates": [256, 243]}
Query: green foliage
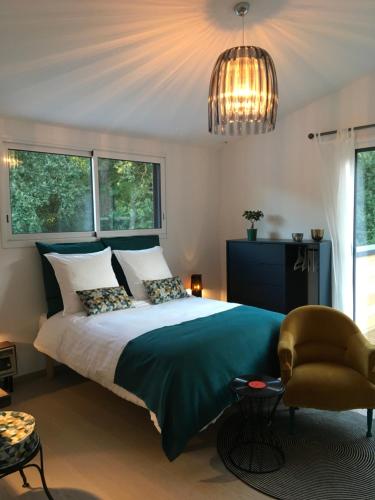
{"type": "Point", "coordinates": [365, 198]}
{"type": "Point", "coordinates": [53, 193]}
{"type": "Point", "coordinates": [50, 193]}
{"type": "Point", "coordinates": [126, 194]}
{"type": "Point", "coordinates": [253, 216]}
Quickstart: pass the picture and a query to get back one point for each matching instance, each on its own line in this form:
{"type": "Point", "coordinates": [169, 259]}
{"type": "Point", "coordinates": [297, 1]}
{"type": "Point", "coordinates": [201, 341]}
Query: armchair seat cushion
{"type": "Point", "coordinates": [329, 386]}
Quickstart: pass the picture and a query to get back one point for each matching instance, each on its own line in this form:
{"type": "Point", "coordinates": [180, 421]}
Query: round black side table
{"type": "Point", "coordinates": [255, 447]}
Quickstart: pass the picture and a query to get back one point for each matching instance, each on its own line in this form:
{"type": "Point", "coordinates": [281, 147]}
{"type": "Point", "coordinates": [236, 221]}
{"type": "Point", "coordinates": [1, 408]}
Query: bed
{"type": "Point", "coordinates": [175, 358]}
{"type": "Point", "coordinates": [184, 382]}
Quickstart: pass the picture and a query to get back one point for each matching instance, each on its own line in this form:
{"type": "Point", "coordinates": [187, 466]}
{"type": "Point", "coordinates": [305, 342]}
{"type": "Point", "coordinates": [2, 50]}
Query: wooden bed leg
{"type": "Point", "coordinates": [50, 368]}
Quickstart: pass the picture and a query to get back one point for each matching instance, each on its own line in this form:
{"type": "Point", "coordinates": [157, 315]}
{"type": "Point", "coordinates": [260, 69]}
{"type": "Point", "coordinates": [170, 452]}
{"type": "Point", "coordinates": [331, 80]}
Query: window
{"type": "Point", "coordinates": [364, 240]}
{"type": "Point", "coordinates": [129, 194]}
{"type": "Point", "coordinates": [50, 193]}
{"type": "Point", "coordinates": [56, 193]}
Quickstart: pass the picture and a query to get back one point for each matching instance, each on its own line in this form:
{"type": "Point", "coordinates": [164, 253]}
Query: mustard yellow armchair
{"type": "Point", "coordinates": [326, 363]}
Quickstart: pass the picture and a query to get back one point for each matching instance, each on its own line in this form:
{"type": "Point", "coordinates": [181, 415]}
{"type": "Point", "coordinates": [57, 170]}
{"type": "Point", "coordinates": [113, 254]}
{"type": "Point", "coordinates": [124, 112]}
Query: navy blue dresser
{"type": "Point", "coordinates": [279, 275]}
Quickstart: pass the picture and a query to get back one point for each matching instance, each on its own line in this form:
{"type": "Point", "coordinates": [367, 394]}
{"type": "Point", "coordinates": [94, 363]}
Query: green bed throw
{"type": "Point", "coordinates": [182, 372]}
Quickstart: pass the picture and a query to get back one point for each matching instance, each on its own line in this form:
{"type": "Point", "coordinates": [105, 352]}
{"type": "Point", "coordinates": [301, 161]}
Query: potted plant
{"type": "Point", "coordinates": [252, 216]}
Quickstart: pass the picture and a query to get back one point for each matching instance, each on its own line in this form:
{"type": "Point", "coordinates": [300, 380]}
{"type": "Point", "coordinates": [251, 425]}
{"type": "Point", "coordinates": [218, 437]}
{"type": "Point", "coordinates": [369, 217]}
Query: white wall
{"type": "Point", "coordinates": [192, 230]}
{"type": "Point", "coordinates": [207, 191]}
{"type": "Point", "coordinates": [276, 172]}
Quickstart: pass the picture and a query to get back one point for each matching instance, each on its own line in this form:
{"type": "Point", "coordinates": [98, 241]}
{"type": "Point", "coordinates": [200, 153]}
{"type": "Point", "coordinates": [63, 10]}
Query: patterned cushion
{"type": "Point", "coordinates": [101, 300]}
{"type": "Point", "coordinates": [18, 438]}
{"type": "Point", "coordinates": [164, 290]}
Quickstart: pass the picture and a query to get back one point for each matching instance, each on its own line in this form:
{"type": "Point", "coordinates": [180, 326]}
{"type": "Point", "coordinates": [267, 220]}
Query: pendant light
{"type": "Point", "coordinates": [243, 94]}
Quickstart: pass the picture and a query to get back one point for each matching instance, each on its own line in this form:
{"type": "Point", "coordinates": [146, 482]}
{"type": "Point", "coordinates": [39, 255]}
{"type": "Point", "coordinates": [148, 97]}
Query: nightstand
{"type": "Point", "coordinates": [8, 365]}
{"type": "Point", "coordinates": [5, 398]}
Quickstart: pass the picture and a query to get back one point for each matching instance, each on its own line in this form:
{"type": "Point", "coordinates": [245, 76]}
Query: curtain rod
{"type": "Point", "coordinates": [330, 132]}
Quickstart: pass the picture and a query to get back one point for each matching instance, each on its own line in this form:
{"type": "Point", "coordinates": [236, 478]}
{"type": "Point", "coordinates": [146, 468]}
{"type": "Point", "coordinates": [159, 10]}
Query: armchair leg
{"type": "Point", "coordinates": [369, 422]}
{"type": "Point", "coordinates": [292, 411]}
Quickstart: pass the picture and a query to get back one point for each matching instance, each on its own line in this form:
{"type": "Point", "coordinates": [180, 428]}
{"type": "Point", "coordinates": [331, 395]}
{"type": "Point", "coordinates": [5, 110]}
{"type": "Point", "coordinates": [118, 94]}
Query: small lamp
{"type": "Point", "coordinates": [196, 285]}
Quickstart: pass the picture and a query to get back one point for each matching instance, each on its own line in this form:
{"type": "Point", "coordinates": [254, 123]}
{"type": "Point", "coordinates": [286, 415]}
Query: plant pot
{"type": "Point", "coordinates": [252, 234]}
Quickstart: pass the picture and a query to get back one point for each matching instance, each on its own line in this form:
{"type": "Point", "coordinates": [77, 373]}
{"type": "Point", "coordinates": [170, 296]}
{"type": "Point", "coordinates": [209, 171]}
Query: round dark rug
{"type": "Point", "coordinates": [328, 458]}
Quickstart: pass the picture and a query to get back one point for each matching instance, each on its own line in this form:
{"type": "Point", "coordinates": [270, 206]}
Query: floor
{"type": "Point", "coordinates": [99, 447]}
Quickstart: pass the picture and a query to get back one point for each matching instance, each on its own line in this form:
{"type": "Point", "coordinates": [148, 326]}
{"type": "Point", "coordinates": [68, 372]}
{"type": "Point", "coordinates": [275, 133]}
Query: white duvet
{"type": "Point", "coordinates": [92, 345]}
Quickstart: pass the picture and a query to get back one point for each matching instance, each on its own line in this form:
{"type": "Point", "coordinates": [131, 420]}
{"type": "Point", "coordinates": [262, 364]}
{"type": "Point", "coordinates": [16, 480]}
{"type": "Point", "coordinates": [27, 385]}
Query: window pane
{"type": "Point", "coordinates": [129, 193]}
{"type": "Point", "coordinates": [50, 193]}
{"type": "Point", "coordinates": [365, 198]}
{"type": "Point", "coordinates": [365, 242]}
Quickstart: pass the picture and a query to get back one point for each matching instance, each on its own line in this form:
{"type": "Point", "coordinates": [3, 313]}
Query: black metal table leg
{"type": "Point", "coordinates": [25, 464]}
{"type": "Point", "coordinates": [255, 447]}
{"type": "Point", "coordinates": [24, 479]}
{"type": "Point", "coordinates": [41, 473]}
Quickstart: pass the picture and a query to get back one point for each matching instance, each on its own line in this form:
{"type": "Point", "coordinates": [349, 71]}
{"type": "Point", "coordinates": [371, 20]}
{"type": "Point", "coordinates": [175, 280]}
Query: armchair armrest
{"type": "Point", "coordinates": [285, 352]}
{"type": "Point", "coordinates": [361, 356]}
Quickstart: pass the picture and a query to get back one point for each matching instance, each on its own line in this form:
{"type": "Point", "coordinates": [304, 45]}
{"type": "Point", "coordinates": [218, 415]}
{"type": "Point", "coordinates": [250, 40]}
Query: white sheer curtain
{"type": "Point", "coordinates": [336, 158]}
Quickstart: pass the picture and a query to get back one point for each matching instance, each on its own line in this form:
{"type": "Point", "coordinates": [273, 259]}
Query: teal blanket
{"type": "Point", "coordinates": [182, 371]}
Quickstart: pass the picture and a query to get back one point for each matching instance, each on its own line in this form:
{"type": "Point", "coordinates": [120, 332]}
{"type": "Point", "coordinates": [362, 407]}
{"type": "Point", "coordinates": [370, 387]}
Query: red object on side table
{"type": "Point", "coordinates": [257, 384]}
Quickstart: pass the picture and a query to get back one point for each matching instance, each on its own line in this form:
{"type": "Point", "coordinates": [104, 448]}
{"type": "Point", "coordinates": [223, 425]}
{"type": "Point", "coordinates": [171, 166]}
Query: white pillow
{"type": "Point", "coordinates": [84, 271]}
{"type": "Point", "coordinates": [139, 265]}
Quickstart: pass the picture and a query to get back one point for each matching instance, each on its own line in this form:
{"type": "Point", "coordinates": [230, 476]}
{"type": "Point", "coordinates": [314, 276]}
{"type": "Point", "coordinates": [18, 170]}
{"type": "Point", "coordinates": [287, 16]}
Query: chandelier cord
{"type": "Point", "coordinates": [243, 30]}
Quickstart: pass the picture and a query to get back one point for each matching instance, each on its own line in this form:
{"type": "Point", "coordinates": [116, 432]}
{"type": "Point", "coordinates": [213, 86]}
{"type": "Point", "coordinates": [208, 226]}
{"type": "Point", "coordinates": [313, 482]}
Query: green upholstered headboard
{"type": "Point", "coordinates": [51, 287]}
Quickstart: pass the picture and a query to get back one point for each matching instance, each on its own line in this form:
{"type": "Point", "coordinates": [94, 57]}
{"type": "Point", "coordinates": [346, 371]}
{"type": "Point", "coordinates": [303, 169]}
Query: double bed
{"type": "Point", "coordinates": [175, 358]}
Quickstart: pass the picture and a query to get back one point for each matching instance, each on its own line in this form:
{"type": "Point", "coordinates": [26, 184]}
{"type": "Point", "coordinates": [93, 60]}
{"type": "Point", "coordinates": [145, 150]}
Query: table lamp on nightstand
{"type": "Point", "coordinates": [196, 285]}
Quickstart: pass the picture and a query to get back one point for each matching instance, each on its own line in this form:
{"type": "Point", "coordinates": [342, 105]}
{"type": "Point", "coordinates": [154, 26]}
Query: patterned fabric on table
{"type": "Point", "coordinates": [165, 289]}
{"type": "Point", "coordinates": [18, 438]}
{"type": "Point", "coordinates": [101, 300]}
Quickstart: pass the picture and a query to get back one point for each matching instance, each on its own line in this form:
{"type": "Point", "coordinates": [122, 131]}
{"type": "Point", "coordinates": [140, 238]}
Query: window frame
{"type": "Point", "coordinates": [111, 155]}
{"type": "Point", "coordinates": [10, 240]}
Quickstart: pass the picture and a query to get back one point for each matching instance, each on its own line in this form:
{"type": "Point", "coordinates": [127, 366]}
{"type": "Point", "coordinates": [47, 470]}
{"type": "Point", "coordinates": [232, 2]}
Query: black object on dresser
{"type": "Point", "coordinates": [279, 275]}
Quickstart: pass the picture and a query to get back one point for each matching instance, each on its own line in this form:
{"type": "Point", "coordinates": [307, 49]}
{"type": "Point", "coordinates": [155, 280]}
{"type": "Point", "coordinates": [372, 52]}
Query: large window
{"type": "Point", "coordinates": [53, 193]}
{"type": "Point", "coordinates": [364, 239]}
{"type": "Point", "coordinates": [50, 193]}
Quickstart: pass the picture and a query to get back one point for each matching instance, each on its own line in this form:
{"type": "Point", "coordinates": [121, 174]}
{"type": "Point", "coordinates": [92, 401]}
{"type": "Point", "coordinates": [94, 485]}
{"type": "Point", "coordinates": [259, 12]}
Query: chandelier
{"type": "Point", "coordinates": [243, 94]}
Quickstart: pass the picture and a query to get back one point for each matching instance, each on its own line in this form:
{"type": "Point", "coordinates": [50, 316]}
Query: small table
{"type": "Point", "coordinates": [256, 448]}
{"type": "Point", "coordinates": [19, 444]}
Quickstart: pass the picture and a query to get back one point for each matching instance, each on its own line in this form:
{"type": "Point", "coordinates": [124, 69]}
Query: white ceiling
{"type": "Point", "coordinates": [143, 67]}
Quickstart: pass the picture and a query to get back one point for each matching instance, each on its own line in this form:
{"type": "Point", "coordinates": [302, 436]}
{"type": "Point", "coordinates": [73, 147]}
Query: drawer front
{"type": "Point", "coordinates": [261, 274]}
{"type": "Point", "coordinates": [265, 297]}
{"type": "Point", "coordinates": [256, 253]}
{"type": "Point", "coordinates": [254, 265]}
{"type": "Point", "coordinates": [256, 274]}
